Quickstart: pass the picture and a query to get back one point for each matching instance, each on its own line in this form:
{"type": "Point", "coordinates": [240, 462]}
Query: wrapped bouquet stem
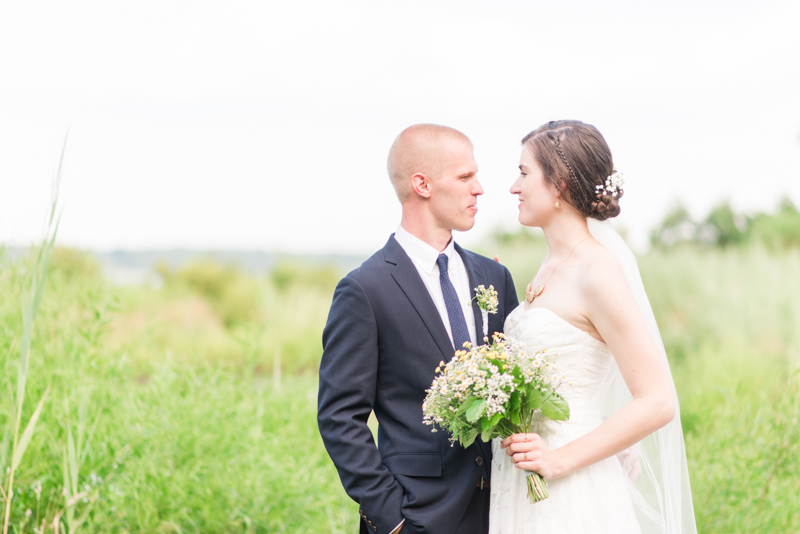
{"type": "Point", "coordinates": [537, 485]}
{"type": "Point", "coordinates": [493, 390]}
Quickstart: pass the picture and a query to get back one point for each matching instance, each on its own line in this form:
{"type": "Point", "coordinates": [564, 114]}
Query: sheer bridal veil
{"type": "Point", "coordinates": [661, 493]}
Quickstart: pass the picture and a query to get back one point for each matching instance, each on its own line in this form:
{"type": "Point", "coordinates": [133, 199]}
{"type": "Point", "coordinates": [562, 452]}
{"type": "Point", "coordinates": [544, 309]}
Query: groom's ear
{"type": "Point", "coordinates": [421, 185]}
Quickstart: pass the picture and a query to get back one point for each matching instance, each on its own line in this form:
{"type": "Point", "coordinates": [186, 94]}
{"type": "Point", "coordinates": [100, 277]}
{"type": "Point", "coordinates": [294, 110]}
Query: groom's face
{"type": "Point", "coordinates": [454, 193]}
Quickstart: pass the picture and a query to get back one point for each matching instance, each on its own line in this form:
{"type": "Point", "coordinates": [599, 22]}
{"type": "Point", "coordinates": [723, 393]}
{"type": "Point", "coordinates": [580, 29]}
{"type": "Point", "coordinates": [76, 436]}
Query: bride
{"type": "Point", "coordinates": [618, 465]}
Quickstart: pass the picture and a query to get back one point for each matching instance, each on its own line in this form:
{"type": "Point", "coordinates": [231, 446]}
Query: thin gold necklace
{"type": "Point", "coordinates": [531, 293]}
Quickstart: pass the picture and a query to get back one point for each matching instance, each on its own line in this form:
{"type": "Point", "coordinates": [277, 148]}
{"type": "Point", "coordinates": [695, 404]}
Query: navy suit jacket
{"type": "Point", "coordinates": [381, 345]}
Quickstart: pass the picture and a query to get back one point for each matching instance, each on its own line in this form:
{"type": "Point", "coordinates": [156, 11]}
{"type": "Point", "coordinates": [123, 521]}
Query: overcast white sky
{"type": "Point", "coordinates": [265, 125]}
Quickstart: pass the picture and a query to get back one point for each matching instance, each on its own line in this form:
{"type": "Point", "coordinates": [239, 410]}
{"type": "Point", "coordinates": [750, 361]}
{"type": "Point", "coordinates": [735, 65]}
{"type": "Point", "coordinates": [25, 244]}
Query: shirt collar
{"type": "Point", "coordinates": [422, 254]}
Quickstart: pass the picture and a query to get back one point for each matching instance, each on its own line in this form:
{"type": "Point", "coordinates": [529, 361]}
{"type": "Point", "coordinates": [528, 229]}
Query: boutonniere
{"type": "Point", "coordinates": [487, 302]}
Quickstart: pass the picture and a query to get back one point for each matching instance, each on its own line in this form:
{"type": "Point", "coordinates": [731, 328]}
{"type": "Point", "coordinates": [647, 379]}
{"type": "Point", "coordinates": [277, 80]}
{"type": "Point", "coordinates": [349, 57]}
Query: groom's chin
{"type": "Point", "coordinates": [465, 225]}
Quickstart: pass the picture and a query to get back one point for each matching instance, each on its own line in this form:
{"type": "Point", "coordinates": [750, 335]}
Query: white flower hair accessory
{"type": "Point", "coordinates": [613, 185]}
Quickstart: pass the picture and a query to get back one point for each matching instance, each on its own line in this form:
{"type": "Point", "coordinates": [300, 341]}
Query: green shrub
{"type": "Point", "coordinates": [233, 294]}
{"type": "Point", "coordinates": [723, 227]}
{"type": "Point", "coordinates": [780, 231]}
{"type": "Point", "coordinates": [287, 274]}
{"type": "Point", "coordinates": [74, 264]}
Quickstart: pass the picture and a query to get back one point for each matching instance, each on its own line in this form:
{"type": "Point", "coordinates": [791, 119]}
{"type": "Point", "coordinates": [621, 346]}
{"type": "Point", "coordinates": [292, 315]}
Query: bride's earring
{"type": "Point", "coordinates": [557, 204]}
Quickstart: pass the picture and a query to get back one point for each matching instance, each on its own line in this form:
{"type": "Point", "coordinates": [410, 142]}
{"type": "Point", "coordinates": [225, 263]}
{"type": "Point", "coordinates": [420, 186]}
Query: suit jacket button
{"type": "Point", "coordinates": [479, 460]}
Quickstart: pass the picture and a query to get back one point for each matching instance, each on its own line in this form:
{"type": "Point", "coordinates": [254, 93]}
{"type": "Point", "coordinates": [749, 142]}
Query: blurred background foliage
{"type": "Point", "coordinates": [724, 227]}
{"type": "Point", "coordinates": [234, 296]}
{"type": "Point", "coordinates": [197, 394]}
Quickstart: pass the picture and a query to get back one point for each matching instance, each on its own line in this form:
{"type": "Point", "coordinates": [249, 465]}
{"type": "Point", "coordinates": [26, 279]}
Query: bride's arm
{"type": "Point", "coordinates": [613, 311]}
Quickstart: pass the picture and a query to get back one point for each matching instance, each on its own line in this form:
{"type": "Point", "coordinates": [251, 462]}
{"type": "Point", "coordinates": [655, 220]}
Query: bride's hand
{"type": "Point", "coordinates": [529, 452]}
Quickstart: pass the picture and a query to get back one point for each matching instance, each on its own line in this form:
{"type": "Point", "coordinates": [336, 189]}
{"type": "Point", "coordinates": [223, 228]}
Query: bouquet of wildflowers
{"type": "Point", "coordinates": [492, 391]}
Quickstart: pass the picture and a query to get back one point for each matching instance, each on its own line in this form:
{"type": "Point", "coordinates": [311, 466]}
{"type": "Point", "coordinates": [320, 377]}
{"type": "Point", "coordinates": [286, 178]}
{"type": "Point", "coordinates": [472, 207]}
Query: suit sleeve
{"type": "Point", "coordinates": [348, 376]}
{"type": "Point", "coordinates": [511, 294]}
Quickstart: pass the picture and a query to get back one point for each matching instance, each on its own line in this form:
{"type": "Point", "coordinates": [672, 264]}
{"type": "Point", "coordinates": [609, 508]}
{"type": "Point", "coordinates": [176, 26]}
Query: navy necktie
{"type": "Point", "coordinates": [458, 325]}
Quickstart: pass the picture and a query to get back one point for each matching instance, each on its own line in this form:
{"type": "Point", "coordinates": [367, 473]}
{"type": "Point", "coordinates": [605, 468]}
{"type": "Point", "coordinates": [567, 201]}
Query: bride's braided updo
{"type": "Point", "coordinates": [576, 159]}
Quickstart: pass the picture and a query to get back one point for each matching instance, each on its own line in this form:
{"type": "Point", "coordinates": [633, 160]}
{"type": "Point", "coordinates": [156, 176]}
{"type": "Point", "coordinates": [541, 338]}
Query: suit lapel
{"type": "Point", "coordinates": [476, 277]}
{"type": "Point", "coordinates": [407, 277]}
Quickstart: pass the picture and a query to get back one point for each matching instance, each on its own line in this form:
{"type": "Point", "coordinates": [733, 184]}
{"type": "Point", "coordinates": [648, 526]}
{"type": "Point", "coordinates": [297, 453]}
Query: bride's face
{"type": "Point", "coordinates": [536, 196]}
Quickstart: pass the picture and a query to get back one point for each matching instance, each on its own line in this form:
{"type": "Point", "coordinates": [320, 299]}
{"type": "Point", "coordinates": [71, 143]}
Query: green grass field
{"type": "Point", "coordinates": [191, 407]}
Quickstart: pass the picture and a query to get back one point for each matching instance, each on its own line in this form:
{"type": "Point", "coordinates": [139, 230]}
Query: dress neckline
{"type": "Point", "coordinates": [557, 316]}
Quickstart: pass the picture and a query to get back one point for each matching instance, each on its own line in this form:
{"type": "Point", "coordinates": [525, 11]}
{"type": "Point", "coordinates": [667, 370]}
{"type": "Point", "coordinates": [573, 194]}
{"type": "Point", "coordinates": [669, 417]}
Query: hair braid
{"type": "Point", "coordinates": [569, 168]}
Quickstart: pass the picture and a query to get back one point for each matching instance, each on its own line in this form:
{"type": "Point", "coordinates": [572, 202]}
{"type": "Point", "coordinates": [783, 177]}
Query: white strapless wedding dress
{"type": "Point", "coordinates": [595, 499]}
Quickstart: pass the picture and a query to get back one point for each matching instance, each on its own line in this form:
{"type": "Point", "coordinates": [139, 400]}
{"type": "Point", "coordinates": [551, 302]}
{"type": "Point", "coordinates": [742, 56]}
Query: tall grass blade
{"type": "Point", "coordinates": [85, 436]}
{"type": "Point", "coordinates": [31, 299]}
{"type": "Point", "coordinates": [72, 462]}
{"type": "Point", "coordinates": [5, 446]}
{"type": "Point", "coordinates": [65, 472]}
{"type": "Point", "coordinates": [28, 433]}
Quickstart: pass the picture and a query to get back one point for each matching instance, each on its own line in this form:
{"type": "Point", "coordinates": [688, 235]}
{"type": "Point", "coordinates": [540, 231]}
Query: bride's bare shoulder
{"type": "Point", "coordinates": [601, 271]}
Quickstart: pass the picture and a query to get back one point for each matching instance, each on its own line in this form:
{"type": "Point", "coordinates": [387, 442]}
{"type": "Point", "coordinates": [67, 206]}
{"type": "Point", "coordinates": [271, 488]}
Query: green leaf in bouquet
{"type": "Point", "coordinates": [555, 407]}
{"type": "Point", "coordinates": [488, 423]}
{"type": "Point", "coordinates": [476, 410]}
{"type": "Point", "coordinates": [488, 434]}
{"type": "Point", "coordinates": [517, 373]}
{"type": "Point", "coordinates": [468, 438]}
{"type": "Point", "coordinates": [466, 405]}
{"type": "Point", "coordinates": [453, 428]}
{"type": "Point", "coordinates": [533, 398]}
{"type": "Point", "coordinates": [514, 404]}
{"type": "Point", "coordinates": [485, 422]}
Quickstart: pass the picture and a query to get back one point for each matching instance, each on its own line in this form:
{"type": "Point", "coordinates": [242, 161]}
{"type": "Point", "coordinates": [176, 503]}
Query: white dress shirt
{"type": "Point", "coordinates": [423, 256]}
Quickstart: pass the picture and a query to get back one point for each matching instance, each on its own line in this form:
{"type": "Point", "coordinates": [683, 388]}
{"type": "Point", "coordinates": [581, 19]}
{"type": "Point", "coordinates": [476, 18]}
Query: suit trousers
{"type": "Point", "coordinates": [475, 520]}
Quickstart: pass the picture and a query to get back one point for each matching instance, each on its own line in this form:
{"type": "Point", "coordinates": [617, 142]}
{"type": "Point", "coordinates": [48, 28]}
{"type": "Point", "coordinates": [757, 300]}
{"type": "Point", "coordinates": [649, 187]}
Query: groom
{"type": "Point", "coordinates": [391, 322]}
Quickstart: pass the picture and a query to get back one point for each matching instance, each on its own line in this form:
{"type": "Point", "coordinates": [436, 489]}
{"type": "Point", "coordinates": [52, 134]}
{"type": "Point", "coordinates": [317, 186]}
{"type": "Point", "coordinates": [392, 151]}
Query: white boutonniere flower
{"type": "Point", "coordinates": [487, 302]}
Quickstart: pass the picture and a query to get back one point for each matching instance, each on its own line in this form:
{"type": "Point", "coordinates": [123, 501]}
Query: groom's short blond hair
{"type": "Point", "coordinates": [421, 148]}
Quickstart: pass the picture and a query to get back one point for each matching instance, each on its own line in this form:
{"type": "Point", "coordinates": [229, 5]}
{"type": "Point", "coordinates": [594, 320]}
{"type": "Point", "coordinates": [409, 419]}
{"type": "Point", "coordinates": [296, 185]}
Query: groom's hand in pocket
{"type": "Point", "coordinates": [529, 452]}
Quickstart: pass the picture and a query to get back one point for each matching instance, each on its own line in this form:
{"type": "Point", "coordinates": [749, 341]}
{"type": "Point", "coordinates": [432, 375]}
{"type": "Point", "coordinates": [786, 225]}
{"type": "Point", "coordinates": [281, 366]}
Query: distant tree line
{"type": "Point", "coordinates": [724, 227]}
